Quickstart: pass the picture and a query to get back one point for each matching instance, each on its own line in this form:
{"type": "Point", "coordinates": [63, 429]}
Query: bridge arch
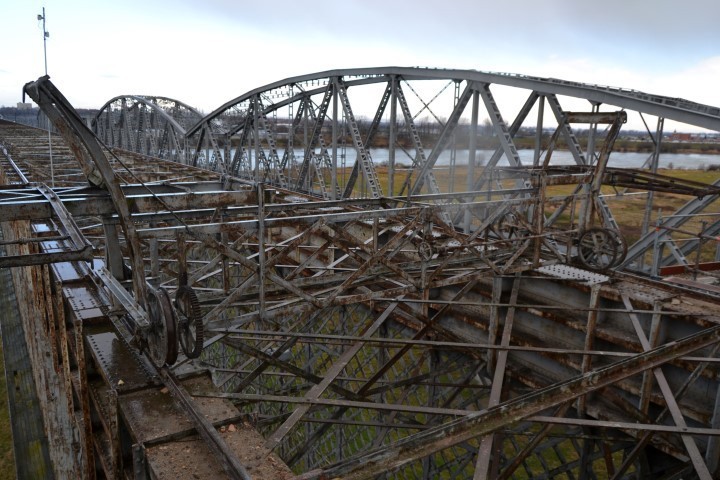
{"type": "Point", "coordinates": [249, 136]}
{"type": "Point", "coordinates": [151, 125]}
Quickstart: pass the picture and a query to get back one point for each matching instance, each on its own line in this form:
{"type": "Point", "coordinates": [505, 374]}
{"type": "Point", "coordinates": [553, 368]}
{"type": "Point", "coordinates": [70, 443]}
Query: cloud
{"type": "Point", "coordinates": [206, 53]}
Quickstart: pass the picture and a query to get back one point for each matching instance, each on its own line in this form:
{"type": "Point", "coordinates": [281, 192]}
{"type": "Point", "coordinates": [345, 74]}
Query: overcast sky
{"type": "Point", "coordinates": [206, 52]}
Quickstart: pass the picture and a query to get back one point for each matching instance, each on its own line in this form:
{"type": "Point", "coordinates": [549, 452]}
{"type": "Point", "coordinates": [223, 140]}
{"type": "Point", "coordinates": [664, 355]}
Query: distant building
{"type": "Point", "coordinates": [681, 137]}
{"type": "Point", "coordinates": [24, 106]}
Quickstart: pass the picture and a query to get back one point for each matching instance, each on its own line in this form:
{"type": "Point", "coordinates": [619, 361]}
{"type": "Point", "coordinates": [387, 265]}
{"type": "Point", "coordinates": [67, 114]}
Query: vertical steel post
{"type": "Point", "coordinates": [493, 323]}
{"type": "Point", "coordinates": [589, 339]}
{"type": "Point", "coordinates": [306, 117]}
{"type": "Point", "coordinates": [657, 247]}
{"type": "Point", "coordinates": [46, 35]}
{"type": "Point", "coordinates": [391, 135]}
{"type": "Point", "coordinates": [154, 257]}
{"type": "Point", "coordinates": [225, 261]}
{"type": "Point", "coordinates": [453, 146]}
{"type": "Point", "coordinates": [113, 252]}
{"type": "Point", "coordinates": [256, 137]}
{"type": "Point", "coordinates": [653, 168]}
{"type": "Point", "coordinates": [261, 250]}
{"type": "Point", "coordinates": [539, 130]}
{"type": "Point", "coordinates": [592, 130]}
{"type": "Point", "coordinates": [333, 173]}
{"type": "Point", "coordinates": [472, 151]}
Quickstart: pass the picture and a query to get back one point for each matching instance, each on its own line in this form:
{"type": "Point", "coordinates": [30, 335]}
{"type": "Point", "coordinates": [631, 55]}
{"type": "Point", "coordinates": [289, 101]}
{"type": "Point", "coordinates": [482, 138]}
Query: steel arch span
{"type": "Point", "coordinates": [149, 125]}
{"type": "Point", "coordinates": [326, 108]}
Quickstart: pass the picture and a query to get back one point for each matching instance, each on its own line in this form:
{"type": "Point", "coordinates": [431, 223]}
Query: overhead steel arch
{"type": "Point", "coordinates": [258, 134]}
{"type": "Point", "coordinates": [150, 125]}
{"type": "Point", "coordinates": [678, 109]}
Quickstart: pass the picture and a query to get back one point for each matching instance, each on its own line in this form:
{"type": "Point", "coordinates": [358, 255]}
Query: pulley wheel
{"type": "Point", "coordinates": [425, 251]}
{"type": "Point", "coordinates": [161, 338]}
{"type": "Point", "coordinates": [190, 326]}
{"type": "Point", "coordinates": [598, 249]}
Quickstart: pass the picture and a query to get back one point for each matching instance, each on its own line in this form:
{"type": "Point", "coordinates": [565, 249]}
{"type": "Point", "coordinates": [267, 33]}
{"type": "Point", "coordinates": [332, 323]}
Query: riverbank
{"type": "Point", "coordinates": [485, 142]}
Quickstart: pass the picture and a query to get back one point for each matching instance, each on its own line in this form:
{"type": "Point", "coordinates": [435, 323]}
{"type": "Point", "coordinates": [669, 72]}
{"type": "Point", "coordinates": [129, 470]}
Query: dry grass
{"type": "Point", "coordinates": [628, 207]}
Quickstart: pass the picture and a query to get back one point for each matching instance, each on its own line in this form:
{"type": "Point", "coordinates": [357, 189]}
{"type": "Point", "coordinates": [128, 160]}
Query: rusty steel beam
{"type": "Point", "coordinates": [94, 163]}
{"type": "Point", "coordinates": [228, 458]}
{"type": "Point", "coordinates": [595, 117]}
{"type": "Point", "coordinates": [671, 403]}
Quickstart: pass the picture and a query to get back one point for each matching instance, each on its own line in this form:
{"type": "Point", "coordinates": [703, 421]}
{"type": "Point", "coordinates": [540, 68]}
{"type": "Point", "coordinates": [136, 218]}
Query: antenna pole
{"type": "Point", "coordinates": [46, 34]}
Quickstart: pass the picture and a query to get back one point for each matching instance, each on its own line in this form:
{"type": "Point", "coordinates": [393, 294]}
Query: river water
{"type": "Point", "coordinates": [688, 161]}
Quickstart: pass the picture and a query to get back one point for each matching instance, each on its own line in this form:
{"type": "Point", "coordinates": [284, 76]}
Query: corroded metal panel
{"type": "Point", "coordinates": [30, 450]}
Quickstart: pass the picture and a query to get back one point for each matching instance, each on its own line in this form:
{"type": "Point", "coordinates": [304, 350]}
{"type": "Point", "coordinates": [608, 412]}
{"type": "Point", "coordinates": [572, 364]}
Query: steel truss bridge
{"type": "Point", "coordinates": [360, 274]}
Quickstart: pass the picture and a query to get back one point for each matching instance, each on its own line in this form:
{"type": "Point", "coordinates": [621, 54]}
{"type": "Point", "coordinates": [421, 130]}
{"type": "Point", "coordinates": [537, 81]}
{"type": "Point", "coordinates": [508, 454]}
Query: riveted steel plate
{"type": "Point", "coordinates": [566, 272]}
{"type": "Point", "coordinates": [116, 362]}
{"type": "Point", "coordinates": [84, 303]}
{"type": "Point", "coordinates": [643, 293]}
{"type": "Point", "coordinates": [102, 397]}
{"type": "Point", "coordinates": [68, 271]}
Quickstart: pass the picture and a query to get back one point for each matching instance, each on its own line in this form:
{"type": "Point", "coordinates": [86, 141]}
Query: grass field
{"type": "Point", "coordinates": [628, 207]}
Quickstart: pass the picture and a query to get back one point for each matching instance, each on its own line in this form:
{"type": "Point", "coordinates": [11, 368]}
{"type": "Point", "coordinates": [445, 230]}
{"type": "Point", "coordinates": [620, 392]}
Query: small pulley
{"type": "Point", "coordinates": [600, 248]}
{"type": "Point", "coordinates": [425, 251]}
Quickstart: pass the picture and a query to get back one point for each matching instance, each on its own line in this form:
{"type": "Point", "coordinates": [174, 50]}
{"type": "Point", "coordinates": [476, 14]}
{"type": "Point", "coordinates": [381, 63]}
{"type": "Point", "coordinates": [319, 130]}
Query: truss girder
{"type": "Point", "coordinates": [674, 221]}
{"type": "Point", "coordinates": [319, 172]}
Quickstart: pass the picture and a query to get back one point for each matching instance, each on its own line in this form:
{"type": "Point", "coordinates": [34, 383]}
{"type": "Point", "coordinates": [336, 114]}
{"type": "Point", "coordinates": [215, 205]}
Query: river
{"type": "Point", "coordinates": [688, 161]}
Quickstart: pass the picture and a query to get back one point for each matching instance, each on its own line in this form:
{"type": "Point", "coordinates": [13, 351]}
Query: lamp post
{"type": "Point", "coordinates": [46, 35]}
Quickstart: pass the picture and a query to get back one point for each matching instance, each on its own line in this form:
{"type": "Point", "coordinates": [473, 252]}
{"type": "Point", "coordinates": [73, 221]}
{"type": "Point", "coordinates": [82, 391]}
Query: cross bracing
{"type": "Point", "coordinates": [368, 336]}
